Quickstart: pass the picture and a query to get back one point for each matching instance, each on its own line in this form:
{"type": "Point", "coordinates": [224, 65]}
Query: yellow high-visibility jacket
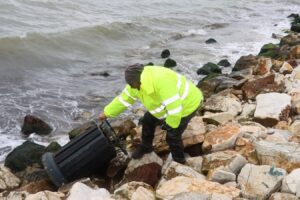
{"type": "Point", "coordinates": [166, 95]}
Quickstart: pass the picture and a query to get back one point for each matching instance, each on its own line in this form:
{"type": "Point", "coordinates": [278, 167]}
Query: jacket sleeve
{"type": "Point", "coordinates": [170, 98]}
{"type": "Point", "coordinates": [120, 103]}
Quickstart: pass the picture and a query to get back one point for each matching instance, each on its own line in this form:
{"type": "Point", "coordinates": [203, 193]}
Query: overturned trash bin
{"type": "Point", "coordinates": [85, 155]}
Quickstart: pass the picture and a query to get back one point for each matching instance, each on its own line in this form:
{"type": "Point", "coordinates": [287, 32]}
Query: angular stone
{"type": "Point", "coordinates": [195, 163]}
{"type": "Point", "coordinates": [282, 196]}
{"type": "Point", "coordinates": [219, 103]}
{"type": "Point", "coordinates": [295, 127]}
{"type": "Point", "coordinates": [286, 68]}
{"type": "Point", "coordinates": [248, 110]}
{"type": "Point", "coordinates": [245, 62]}
{"type": "Point", "coordinates": [47, 195]}
{"type": "Point", "coordinates": [178, 185]}
{"type": "Point", "coordinates": [147, 169]}
{"type": "Point", "coordinates": [191, 196]}
{"type": "Point", "coordinates": [142, 193]}
{"type": "Point", "coordinates": [266, 84]}
{"type": "Point", "coordinates": [276, 65]}
{"type": "Point", "coordinates": [259, 182]}
{"type": "Point", "coordinates": [291, 39]}
{"type": "Point", "coordinates": [295, 52]}
{"type": "Point", "coordinates": [268, 112]}
{"type": "Point", "coordinates": [263, 67]}
{"type": "Point", "coordinates": [218, 118]}
{"type": "Point", "coordinates": [176, 169]}
{"type": "Point", "coordinates": [8, 180]}
{"type": "Point", "coordinates": [217, 159]}
{"type": "Point", "coordinates": [253, 130]}
{"type": "Point", "coordinates": [284, 155]}
{"type": "Point", "coordinates": [222, 176]}
{"type": "Point", "coordinates": [290, 182]}
{"type": "Point", "coordinates": [127, 190]}
{"type": "Point", "coordinates": [269, 50]}
{"type": "Point", "coordinates": [81, 191]}
{"type": "Point", "coordinates": [193, 134]}
{"type": "Point", "coordinates": [222, 138]}
{"type": "Point", "coordinates": [245, 148]}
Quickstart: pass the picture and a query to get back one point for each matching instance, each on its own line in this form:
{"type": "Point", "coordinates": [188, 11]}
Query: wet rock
{"type": "Point", "coordinates": [269, 50]}
{"type": "Point", "coordinates": [24, 155]}
{"type": "Point", "coordinates": [293, 15]}
{"type": "Point", "coordinates": [291, 181]}
{"type": "Point", "coordinates": [291, 39]}
{"type": "Point", "coordinates": [81, 191]}
{"type": "Point", "coordinates": [53, 147]}
{"type": "Point", "coordinates": [259, 182]}
{"type": "Point", "coordinates": [81, 129]}
{"type": "Point", "coordinates": [282, 196]}
{"type": "Point", "coordinates": [33, 124]}
{"type": "Point", "coordinates": [263, 67]}
{"type": "Point", "coordinates": [8, 180]}
{"type": "Point", "coordinates": [224, 63]}
{"type": "Point", "coordinates": [295, 52]}
{"type": "Point", "coordinates": [104, 74]}
{"type": "Point", "coordinates": [284, 155]}
{"type": "Point", "coordinates": [222, 138]}
{"type": "Point", "coordinates": [269, 112]}
{"type": "Point", "coordinates": [178, 185]}
{"type": "Point", "coordinates": [245, 62]}
{"type": "Point", "coordinates": [128, 190]}
{"type": "Point", "coordinates": [296, 28]}
{"type": "Point", "coordinates": [170, 63]}
{"type": "Point", "coordinates": [211, 41]}
{"type": "Point", "coordinates": [242, 74]}
{"type": "Point", "coordinates": [46, 195]}
{"type": "Point", "coordinates": [209, 68]}
{"type": "Point", "coordinates": [147, 169]}
{"type": "Point", "coordinates": [193, 134]}
{"type": "Point", "coordinates": [165, 53]}
{"type": "Point", "coordinates": [286, 68]}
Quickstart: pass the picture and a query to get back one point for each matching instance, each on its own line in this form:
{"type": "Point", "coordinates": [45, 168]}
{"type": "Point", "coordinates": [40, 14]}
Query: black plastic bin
{"type": "Point", "coordinates": [85, 155]}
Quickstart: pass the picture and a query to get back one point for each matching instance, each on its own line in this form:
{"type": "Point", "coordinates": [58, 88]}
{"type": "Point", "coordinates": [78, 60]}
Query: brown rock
{"type": "Point", "coordinates": [295, 52]}
{"type": "Point", "coordinates": [276, 65]}
{"type": "Point", "coordinates": [245, 148]}
{"type": "Point", "coordinates": [222, 138]}
{"type": "Point", "coordinates": [245, 62]}
{"type": "Point", "coordinates": [38, 186]}
{"type": "Point", "coordinates": [291, 39]}
{"type": "Point", "coordinates": [124, 127]}
{"type": "Point", "coordinates": [266, 84]}
{"type": "Point", "coordinates": [263, 67]}
{"type": "Point", "coordinates": [286, 68]}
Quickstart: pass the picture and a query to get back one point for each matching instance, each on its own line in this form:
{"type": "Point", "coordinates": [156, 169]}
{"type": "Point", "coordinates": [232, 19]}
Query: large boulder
{"type": "Point", "coordinates": [259, 182]}
{"type": "Point", "coordinates": [8, 181]}
{"type": "Point", "coordinates": [24, 155]}
{"type": "Point", "coordinates": [245, 62]}
{"type": "Point", "coordinates": [291, 182]}
{"type": "Point", "coordinates": [147, 169]}
{"type": "Point", "coordinates": [209, 68]}
{"type": "Point", "coordinates": [261, 85]}
{"type": "Point", "coordinates": [178, 185]}
{"type": "Point", "coordinates": [131, 190]}
{"type": "Point", "coordinates": [193, 134]}
{"type": "Point", "coordinates": [222, 138]}
{"type": "Point", "coordinates": [284, 155]}
{"type": "Point", "coordinates": [269, 50]}
{"type": "Point", "coordinates": [291, 39]}
{"type": "Point", "coordinates": [269, 112]}
{"type": "Point", "coordinates": [34, 124]}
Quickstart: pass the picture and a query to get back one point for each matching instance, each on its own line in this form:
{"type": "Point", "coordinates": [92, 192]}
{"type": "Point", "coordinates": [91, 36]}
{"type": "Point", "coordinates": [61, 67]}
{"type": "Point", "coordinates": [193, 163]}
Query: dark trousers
{"type": "Point", "coordinates": [173, 137]}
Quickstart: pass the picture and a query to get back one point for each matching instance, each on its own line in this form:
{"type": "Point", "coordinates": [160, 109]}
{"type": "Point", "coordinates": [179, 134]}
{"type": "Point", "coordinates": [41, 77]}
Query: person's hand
{"type": "Point", "coordinates": [102, 117]}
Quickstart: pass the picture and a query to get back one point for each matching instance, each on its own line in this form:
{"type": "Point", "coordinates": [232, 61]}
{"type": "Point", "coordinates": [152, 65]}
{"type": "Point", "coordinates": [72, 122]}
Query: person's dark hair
{"type": "Point", "coordinates": [133, 73]}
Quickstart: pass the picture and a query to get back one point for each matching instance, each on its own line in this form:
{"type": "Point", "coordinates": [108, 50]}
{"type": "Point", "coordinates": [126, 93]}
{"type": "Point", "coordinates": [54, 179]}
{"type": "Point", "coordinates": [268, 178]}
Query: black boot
{"type": "Point", "coordinates": [141, 151]}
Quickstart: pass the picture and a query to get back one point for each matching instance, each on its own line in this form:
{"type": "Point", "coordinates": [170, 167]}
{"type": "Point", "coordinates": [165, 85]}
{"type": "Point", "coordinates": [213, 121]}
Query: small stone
{"type": "Point", "coordinates": [165, 53]}
{"type": "Point", "coordinates": [33, 124]}
{"type": "Point", "coordinates": [169, 63]}
{"type": "Point", "coordinates": [211, 41]}
{"type": "Point", "coordinates": [224, 63]}
{"type": "Point", "coordinates": [222, 176]}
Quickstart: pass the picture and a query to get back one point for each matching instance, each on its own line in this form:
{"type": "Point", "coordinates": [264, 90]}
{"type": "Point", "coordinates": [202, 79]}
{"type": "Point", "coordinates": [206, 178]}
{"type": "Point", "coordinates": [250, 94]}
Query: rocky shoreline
{"type": "Point", "coordinates": [243, 144]}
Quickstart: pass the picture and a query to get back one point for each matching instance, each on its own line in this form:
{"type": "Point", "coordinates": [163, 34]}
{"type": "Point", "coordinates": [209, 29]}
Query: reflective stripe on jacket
{"type": "Point", "coordinates": [165, 94]}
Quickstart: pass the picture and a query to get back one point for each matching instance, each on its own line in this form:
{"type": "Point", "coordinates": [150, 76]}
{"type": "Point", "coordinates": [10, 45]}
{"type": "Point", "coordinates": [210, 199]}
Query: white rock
{"type": "Point", "coordinates": [46, 195]}
{"type": "Point", "coordinates": [284, 155]}
{"type": "Point", "coordinates": [126, 191]}
{"type": "Point", "coordinates": [195, 163]}
{"type": "Point", "coordinates": [283, 196]}
{"type": "Point", "coordinates": [231, 184]}
{"type": "Point", "coordinates": [289, 183]}
{"type": "Point", "coordinates": [81, 191]}
{"type": "Point", "coordinates": [259, 182]}
{"type": "Point", "coordinates": [295, 128]}
{"type": "Point", "coordinates": [222, 176]}
{"type": "Point", "coordinates": [268, 108]}
{"type": "Point", "coordinates": [8, 180]}
{"type": "Point", "coordinates": [142, 193]}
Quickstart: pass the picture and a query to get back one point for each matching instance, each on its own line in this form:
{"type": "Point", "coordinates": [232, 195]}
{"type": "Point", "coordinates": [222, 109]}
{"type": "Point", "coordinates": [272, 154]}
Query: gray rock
{"type": "Point", "coordinates": [222, 176]}
{"type": "Point", "coordinates": [290, 182]}
{"type": "Point", "coordinates": [259, 182]}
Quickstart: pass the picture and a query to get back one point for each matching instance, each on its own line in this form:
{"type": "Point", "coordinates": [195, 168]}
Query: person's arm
{"type": "Point", "coordinates": [119, 104]}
